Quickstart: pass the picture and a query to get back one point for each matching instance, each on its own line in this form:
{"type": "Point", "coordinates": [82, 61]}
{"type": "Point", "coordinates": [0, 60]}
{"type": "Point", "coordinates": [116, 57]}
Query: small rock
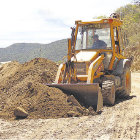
{"type": "Point", "coordinates": [73, 114]}
{"type": "Point", "coordinates": [20, 112]}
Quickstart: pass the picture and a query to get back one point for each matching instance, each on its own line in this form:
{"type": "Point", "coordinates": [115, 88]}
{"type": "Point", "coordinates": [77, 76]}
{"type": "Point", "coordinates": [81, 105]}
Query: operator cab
{"type": "Point", "coordinates": [93, 36]}
{"type": "Point", "coordinates": [101, 36]}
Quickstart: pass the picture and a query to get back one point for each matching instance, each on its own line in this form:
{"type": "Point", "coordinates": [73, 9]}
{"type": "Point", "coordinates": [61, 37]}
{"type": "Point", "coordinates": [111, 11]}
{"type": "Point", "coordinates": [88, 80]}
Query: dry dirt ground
{"type": "Point", "coordinates": [122, 121]}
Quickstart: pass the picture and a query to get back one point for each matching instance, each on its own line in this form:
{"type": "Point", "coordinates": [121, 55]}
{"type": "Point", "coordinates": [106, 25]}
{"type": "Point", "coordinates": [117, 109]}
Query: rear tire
{"type": "Point", "coordinates": [126, 81]}
{"type": "Point", "coordinates": [108, 92]}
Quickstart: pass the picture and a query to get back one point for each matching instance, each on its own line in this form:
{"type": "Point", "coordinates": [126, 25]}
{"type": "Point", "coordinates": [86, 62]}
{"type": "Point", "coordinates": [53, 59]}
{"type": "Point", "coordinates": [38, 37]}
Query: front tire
{"type": "Point", "coordinates": [108, 92]}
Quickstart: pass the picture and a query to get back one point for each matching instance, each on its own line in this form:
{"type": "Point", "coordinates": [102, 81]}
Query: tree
{"type": "Point", "coordinates": [130, 14]}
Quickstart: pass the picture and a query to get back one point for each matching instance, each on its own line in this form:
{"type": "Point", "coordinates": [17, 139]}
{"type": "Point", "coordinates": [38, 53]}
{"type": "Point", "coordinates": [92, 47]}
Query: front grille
{"type": "Point", "coordinates": [81, 68]}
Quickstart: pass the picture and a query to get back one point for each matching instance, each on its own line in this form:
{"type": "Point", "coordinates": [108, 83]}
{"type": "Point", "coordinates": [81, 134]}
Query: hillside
{"type": "Point", "coordinates": [130, 14]}
{"type": "Point", "coordinates": [24, 52]}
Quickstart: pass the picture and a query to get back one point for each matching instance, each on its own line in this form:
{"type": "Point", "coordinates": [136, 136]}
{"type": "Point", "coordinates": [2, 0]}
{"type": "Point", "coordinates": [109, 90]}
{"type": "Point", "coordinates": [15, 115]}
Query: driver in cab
{"type": "Point", "coordinates": [98, 44]}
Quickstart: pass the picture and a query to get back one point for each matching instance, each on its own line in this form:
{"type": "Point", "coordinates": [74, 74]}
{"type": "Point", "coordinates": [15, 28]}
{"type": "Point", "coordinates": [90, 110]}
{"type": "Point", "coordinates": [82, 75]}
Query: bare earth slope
{"type": "Point", "coordinates": [121, 121]}
{"type": "Point", "coordinates": [23, 85]}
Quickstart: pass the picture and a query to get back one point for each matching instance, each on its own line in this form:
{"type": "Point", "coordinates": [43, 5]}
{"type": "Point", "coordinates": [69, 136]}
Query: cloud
{"type": "Point", "coordinates": [50, 20]}
{"type": "Point", "coordinates": [44, 21]}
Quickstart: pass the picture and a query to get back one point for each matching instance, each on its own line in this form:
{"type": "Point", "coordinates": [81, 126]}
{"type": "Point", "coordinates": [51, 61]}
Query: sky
{"type": "Point", "coordinates": [45, 21]}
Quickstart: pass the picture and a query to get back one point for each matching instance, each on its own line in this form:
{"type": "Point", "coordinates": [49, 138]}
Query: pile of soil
{"type": "Point", "coordinates": [134, 51]}
{"type": "Point", "coordinates": [23, 85]}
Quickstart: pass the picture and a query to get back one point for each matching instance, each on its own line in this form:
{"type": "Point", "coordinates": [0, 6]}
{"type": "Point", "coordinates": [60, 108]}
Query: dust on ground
{"type": "Point", "coordinates": [121, 121]}
{"type": "Point", "coordinates": [23, 85]}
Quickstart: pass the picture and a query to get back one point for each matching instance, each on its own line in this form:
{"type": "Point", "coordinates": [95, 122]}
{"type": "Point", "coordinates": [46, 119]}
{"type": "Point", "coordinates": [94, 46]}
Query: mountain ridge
{"type": "Point", "coordinates": [23, 52]}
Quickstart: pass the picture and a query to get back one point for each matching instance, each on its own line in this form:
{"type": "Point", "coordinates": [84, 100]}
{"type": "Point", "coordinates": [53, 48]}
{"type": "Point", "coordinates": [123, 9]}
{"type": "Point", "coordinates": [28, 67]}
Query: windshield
{"type": "Point", "coordinates": [95, 36]}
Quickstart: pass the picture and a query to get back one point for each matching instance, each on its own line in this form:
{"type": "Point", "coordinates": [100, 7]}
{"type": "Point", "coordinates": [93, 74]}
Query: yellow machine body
{"type": "Point", "coordinates": [81, 74]}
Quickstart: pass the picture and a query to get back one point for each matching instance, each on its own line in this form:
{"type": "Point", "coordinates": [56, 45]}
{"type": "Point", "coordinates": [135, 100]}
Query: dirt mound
{"type": "Point", "coordinates": [23, 85]}
{"type": "Point", "coordinates": [8, 69]}
{"type": "Point", "coordinates": [134, 52]}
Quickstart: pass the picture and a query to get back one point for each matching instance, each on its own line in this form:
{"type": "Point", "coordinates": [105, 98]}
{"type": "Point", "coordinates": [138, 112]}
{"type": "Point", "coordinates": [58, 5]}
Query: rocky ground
{"type": "Point", "coordinates": [121, 121]}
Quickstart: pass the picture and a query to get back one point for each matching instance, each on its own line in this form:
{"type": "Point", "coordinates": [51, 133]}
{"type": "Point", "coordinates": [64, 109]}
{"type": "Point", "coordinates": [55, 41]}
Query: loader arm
{"type": "Point", "coordinates": [59, 74]}
{"type": "Point", "coordinates": [97, 64]}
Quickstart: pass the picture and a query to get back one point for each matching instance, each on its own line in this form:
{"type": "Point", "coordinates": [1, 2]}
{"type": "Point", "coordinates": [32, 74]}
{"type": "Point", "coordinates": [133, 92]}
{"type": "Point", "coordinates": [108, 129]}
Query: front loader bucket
{"type": "Point", "coordinates": [88, 94]}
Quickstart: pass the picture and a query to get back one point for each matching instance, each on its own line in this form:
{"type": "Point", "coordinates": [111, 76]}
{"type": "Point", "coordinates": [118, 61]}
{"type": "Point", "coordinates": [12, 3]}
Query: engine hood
{"type": "Point", "coordinates": [85, 56]}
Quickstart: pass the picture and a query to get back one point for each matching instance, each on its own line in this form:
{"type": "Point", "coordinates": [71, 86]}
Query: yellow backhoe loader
{"type": "Point", "coordinates": [95, 70]}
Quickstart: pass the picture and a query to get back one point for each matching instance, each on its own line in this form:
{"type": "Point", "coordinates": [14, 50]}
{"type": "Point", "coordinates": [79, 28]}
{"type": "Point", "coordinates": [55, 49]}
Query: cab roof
{"type": "Point", "coordinates": [113, 21]}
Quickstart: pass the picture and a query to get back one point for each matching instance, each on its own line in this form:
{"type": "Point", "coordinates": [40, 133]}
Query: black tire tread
{"type": "Point", "coordinates": [106, 87]}
{"type": "Point", "coordinates": [107, 92]}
